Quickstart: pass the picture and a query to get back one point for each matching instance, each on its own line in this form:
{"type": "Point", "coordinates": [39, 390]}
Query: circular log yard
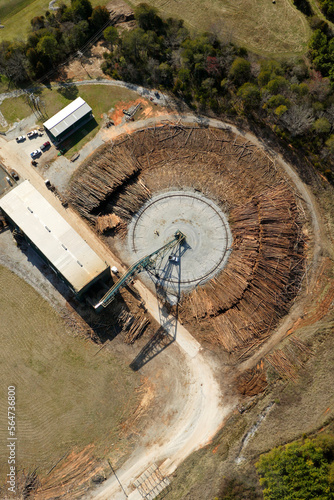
{"type": "Point", "coordinates": [241, 260]}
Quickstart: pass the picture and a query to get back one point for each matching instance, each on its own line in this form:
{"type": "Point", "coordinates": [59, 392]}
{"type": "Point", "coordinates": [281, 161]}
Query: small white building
{"type": "Point", "coordinates": [68, 120]}
{"type": "Point", "coordinates": [53, 238]}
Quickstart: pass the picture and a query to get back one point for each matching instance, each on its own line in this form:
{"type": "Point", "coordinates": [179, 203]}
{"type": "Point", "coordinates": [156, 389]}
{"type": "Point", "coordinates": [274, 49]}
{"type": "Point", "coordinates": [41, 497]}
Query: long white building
{"type": "Point", "coordinates": [53, 238]}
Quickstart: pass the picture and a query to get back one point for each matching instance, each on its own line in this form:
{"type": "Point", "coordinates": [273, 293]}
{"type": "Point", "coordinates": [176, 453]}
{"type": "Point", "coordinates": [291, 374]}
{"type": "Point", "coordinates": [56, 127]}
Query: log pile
{"type": "Point", "coordinates": [133, 327]}
{"type": "Point", "coordinates": [253, 381]}
{"type": "Point", "coordinates": [104, 223]}
{"type": "Point", "coordinates": [265, 268]}
{"type": "Point", "coordinates": [287, 361]}
{"type": "Point", "coordinates": [262, 275]}
{"type": "Point", "coordinates": [100, 180]}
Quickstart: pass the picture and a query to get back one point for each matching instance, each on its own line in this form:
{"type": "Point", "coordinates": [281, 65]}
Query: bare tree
{"type": "Point", "coordinates": [298, 119]}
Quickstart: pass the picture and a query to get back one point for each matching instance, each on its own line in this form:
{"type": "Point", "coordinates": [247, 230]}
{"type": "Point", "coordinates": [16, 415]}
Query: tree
{"type": "Point", "coordinates": [81, 9]}
{"type": "Point", "coordinates": [298, 119]}
{"type": "Point", "coordinates": [37, 23]}
{"type": "Point", "coordinates": [295, 471]}
{"type": "Point", "coordinates": [280, 110]}
{"type": "Point", "coordinates": [330, 145]}
{"type": "Point", "coordinates": [250, 95]}
{"type": "Point", "coordinates": [14, 63]}
{"type": "Point", "coordinates": [100, 16]}
{"type": "Point", "coordinates": [277, 100]}
{"type": "Point", "coordinates": [269, 70]}
{"type": "Point", "coordinates": [48, 46]}
{"type": "Point", "coordinates": [322, 126]}
{"type": "Point", "coordinates": [240, 70]}
{"type": "Point", "coordinates": [76, 36]}
{"type": "Point", "coordinates": [147, 18]}
{"type": "Point", "coordinates": [277, 84]}
{"type": "Point", "coordinates": [110, 35]}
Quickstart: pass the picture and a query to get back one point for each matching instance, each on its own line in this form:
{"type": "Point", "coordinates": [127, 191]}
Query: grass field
{"type": "Point", "coordinates": [15, 15]}
{"type": "Point", "coordinates": [263, 27]}
{"type": "Point", "coordinates": [66, 394]}
{"type": "Point", "coordinates": [101, 99]}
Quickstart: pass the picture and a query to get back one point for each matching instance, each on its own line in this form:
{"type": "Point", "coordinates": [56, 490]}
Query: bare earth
{"type": "Point", "coordinates": [206, 403]}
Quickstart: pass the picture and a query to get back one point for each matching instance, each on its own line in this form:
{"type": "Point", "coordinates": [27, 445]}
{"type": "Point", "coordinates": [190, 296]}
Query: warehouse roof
{"type": "Point", "coordinates": [67, 117]}
{"type": "Point", "coordinates": [67, 252]}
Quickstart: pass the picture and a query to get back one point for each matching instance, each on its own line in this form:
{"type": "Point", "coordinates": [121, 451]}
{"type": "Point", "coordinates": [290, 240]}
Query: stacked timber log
{"type": "Point", "coordinates": [262, 275]}
{"type": "Point", "coordinates": [133, 327]}
{"type": "Point", "coordinates": [287, 361]}
{"type": "Point", "coordinates": [265, 268]}
{"type": "Point", "coordinates": [102, 180]}
{"type": "Point", "coordinates": [252, 381]}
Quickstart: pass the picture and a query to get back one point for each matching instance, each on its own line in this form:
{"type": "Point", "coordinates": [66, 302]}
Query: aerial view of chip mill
{"type": "Point", "coordinates": [166, 250]}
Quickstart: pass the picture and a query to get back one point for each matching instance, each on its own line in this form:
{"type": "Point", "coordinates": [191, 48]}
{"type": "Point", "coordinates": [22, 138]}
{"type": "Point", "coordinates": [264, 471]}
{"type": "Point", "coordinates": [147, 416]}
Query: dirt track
{"type": "Point", "coordinates": [204, 410]}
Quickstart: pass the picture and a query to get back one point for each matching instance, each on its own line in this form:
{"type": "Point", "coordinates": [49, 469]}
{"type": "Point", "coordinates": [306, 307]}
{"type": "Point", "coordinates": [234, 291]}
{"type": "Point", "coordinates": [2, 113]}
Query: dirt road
{"type": "Point", "coordinates": [204, 409]}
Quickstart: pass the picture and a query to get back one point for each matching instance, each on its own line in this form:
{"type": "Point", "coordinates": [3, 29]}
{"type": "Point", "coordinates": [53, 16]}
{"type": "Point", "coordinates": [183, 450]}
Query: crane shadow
{"type": "Point", "coordinates": [166, 334]}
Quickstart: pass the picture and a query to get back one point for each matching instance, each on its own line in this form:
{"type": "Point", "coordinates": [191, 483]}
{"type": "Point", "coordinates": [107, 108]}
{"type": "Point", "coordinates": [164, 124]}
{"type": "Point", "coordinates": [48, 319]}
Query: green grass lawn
{"type": "Point", "coordinates": [16, 15]}
{"type": "Point", "coordinates": [67, 395]}
{"type": "Point", "coordinates": [15, 109]}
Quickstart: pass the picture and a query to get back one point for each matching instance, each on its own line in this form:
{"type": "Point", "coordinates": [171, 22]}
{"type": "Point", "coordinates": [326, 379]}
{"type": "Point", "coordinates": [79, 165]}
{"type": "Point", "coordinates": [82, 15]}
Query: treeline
{"type": "Point", "coordinates": [296, 102]}
{"type": "Point", "coordinates": [293, 98]}
{"type": "Point", "coordinates": [54, 37]}
{"type": "Point", "coordinates": [327, 7]}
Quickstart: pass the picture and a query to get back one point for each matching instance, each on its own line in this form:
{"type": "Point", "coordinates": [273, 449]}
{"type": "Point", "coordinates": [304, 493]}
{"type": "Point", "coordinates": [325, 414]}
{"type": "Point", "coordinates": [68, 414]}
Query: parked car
{"type": "Point", "coordinates": [45, 145]}
{"type": "Point", "coordinates": [15, 175]}
{"type": "Point", "coordinates": [20, 138]}
{"type": "Point", "coordinates": [36, 153]}
{"type": "Point", "coordinates": [32, 133]}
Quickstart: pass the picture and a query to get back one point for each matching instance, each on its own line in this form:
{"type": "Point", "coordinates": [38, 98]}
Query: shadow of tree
{"type": "Point", "coordinates": [70, 92]}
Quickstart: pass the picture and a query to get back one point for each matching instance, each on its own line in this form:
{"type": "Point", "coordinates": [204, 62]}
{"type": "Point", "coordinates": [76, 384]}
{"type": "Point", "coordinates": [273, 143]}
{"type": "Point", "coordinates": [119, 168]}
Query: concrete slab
{"type": "Point", "coordinates": [208, 239]}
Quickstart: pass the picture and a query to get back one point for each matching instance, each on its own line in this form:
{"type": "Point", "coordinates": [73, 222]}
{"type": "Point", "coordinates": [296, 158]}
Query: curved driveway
{"type": "Point", "coordinates": [204, 410]}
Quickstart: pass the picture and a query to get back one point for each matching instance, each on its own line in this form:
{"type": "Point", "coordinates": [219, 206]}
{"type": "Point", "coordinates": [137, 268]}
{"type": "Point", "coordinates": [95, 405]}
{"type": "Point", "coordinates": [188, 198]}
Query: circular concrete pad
{"type": "Point", "coordinates": [205, 250]}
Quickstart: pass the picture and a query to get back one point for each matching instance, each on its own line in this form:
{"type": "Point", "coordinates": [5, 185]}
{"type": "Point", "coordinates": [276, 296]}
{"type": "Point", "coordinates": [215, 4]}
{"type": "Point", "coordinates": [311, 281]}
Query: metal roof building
{"type": "Point", "coordinates": [68, 120]}
{"type": "Point", "coordinates": [58, 243]}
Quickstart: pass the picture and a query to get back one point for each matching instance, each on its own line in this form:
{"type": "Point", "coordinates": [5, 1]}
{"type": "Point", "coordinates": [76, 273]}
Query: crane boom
{"type": "Point", "coordinates": [143, 263]}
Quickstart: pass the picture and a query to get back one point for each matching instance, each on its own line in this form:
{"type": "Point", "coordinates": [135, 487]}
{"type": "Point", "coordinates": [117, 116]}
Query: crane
{"type": "Point", "coordinates": [147, 262]}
